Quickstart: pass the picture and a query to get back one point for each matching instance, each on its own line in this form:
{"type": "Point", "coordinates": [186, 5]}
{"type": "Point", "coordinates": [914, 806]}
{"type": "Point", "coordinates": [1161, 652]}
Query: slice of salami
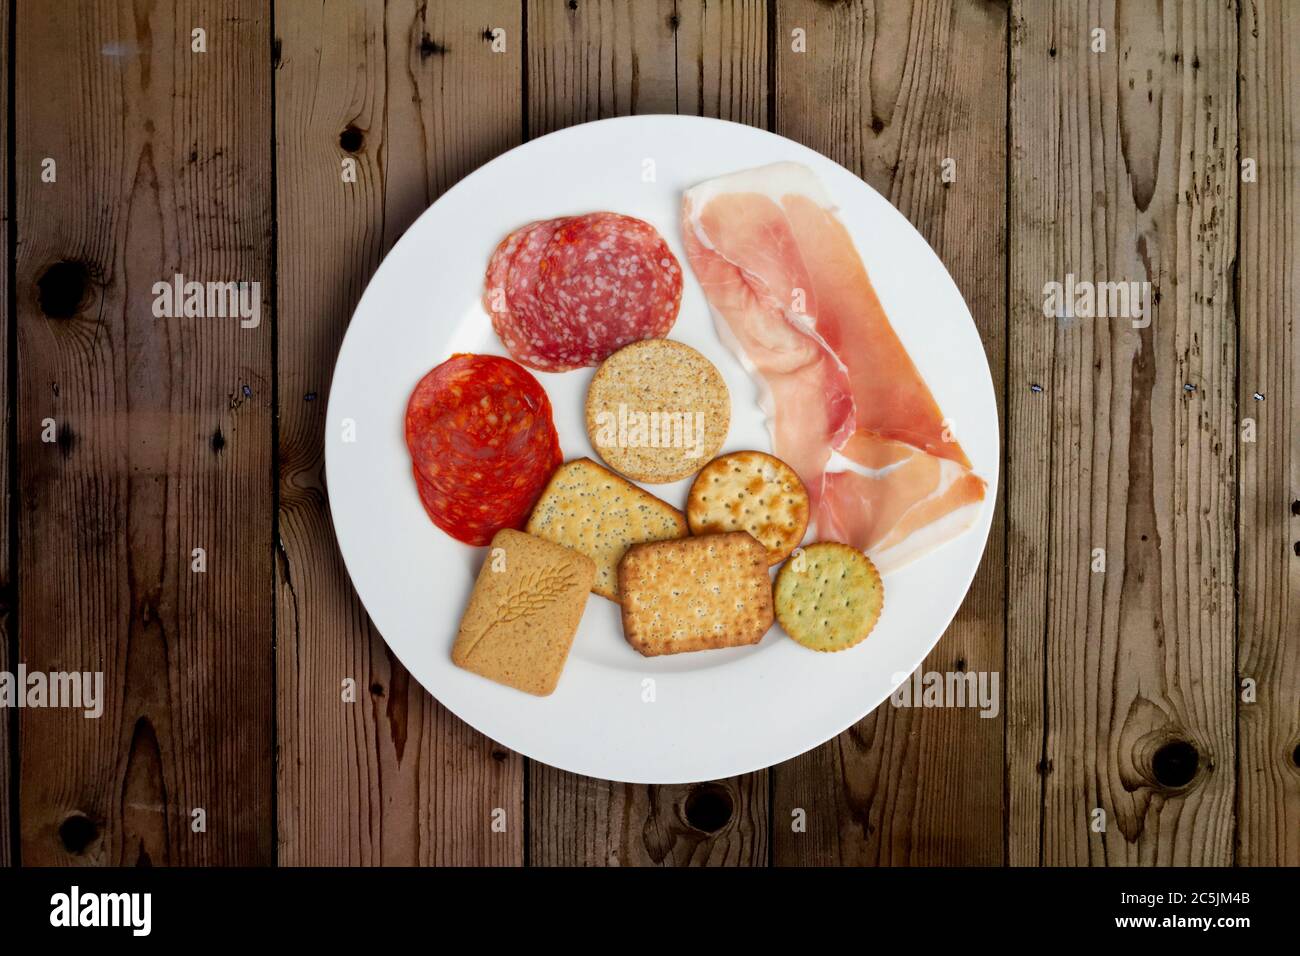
{"type": "Point", "coordinates": [578, 288]}
{"type": "Point", "coordinates": [529, 332]}
{"type": "Point", "coordinates": [609, 280]}
{"type": "Point", "coordinates": [496, 286]}
{"type": "Point", "coordinates": [482, 443]}
{"type": "Point", "coordinates": [494, 282]}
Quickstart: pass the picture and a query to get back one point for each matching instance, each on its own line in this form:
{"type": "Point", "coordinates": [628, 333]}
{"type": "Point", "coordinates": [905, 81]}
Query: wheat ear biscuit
{"type": "Point", "coordinates": [828, 596]}
{"type": "Point", "coordinates": [750, 491]}
{"type": "Point", "coordinates": [657, 410]}
{"type": "Point", "coordinates": [600, 514]}
{"type": "Point", "coordinates": [695, 594]}
{"type": "Point", "coordinates": [524, 611]}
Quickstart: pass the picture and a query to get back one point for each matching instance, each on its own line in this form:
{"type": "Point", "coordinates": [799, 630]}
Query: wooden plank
{"type": "Point", "coordinates": [588, 60]}
{"type": "Point", "coordinates": [412, 94]}
{"type": "Point", "coordinates": [1268, 392]}
{"type": "Point", "coordinates": [163, 431]}
{"type": "Point", "coordinates": [892, 91]}
{"type": "Point", "coordinates": [7, 720]}
{"type": "Point", "coordinates": [722, 60]}
{"type": "Point", "coordinates": [1123, 169]}
{"type": "Point", "coordinates": [1033, 238]}
{"type": "Point", "coordinates": [580, 821]}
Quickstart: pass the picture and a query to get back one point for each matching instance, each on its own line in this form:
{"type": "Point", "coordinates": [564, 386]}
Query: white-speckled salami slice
{"type": "Point", "coordinates": [530, 333]}
{"type": "Point", "coordinates": [494, 282]}
{"type": "Point", "coordinates": [606, 280]}
{"type": "Point", "coordinates": [566, 293]}
{"type": "Point", "coordinates": [530, 240]}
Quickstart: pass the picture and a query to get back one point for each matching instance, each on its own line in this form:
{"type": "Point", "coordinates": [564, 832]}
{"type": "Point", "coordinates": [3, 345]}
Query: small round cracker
{"type": "Point", "coordinates": [750, 491]}
{"type": "Point", "coordinates": [828, 596]}
{"type": "Point", "coordinates": [657, 410]}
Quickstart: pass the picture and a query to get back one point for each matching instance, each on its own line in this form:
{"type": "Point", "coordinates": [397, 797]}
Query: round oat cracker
{"type": "Point", "coordinates": [828, 596]}
{"type": "Point", "coordinates": [657, 410]}
{"type": "Point", "coordinates": [750, 491]}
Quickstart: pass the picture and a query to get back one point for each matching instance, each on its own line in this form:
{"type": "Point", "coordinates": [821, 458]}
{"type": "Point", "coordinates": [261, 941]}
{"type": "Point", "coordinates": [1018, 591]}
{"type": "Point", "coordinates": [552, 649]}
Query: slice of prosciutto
{"type": "Point", "coordinates": [846, 406]}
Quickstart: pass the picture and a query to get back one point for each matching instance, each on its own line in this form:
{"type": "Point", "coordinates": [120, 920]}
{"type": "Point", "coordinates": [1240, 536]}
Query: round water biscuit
{"type": "Point", "coordinates": [657, 410]}
{"type": "Point", "coordinates": [828, 596]}
{"type": "Point", "coordinates": [750, 491]}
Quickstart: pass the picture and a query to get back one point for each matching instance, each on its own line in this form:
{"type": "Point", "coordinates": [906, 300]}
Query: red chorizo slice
{"type": "Point", "coordinates": [483, 444]}
{"type": "Point", "coordinates": [469, 521]}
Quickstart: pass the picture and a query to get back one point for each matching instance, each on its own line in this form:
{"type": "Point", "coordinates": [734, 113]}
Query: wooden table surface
{"type": "Point", "coordinates": [1163, 690]}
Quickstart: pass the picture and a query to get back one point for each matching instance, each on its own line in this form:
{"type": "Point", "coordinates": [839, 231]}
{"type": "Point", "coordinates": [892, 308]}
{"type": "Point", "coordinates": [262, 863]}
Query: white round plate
{"type": "Point", "coordinates": [617, 715]}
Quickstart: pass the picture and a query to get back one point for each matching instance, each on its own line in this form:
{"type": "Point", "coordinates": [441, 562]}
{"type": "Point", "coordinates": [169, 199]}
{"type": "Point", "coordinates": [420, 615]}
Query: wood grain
{"type": "Point", "coordinates": [605, 59]}
{"type": "Point", "coordinates": [1268, 392]}
{"type": "Point", "coordinates": [721, 58]}
{"type": "Point", "coordinates": [1123, 169]}
{"type": "Point", "coordinates": [580, 821]}
{"type": "Point", "coordinates": [413, 94]}
{"type": "Point", "coordinates": [920, 84]}
{"type": "Point", "coordinates": [591, 59]}
{"type": "Point", "coordinates": [163, 425]}
{"type": "Point", "coordinates": [1033, 238]}
{"type": "Point", "coordinates": [10, 719]}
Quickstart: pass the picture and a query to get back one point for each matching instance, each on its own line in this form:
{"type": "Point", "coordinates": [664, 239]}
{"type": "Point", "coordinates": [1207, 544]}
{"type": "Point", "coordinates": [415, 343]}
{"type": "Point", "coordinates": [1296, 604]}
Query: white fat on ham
{"type": "Point", "coordinates": [846, 407]}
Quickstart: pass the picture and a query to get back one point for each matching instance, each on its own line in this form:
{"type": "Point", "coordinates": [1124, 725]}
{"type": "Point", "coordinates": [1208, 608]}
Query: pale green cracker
{"type": "Point", "coordinates": [828, 596]}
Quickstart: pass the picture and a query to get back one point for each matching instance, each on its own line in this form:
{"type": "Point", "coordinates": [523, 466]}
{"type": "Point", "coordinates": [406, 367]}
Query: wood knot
{"type": "Point", "coordinates": [431, 47]}
{"type": "Point", "coordinates": [61, 288]}
{"type": "Point", "coordinates": [351, 139]}
{"type": "Point", "coordinates": [1295, 756]}
{"type": "Point", "coordinates": [77, 832]}
{"type": "Point", "coordinates": [708, 807]}
{"type": "Point", "coordinates": [65, 438]}
{"type": "Point", "coordinates": [1175, 763]}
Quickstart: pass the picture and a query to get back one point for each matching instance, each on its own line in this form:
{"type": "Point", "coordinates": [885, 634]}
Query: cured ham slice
{"type": "Point", "coordinates": [803, 388]}
{"type": "Point", "coordinates": [846, 406]}
{"type": "Point", "coordinates": [898, 510]}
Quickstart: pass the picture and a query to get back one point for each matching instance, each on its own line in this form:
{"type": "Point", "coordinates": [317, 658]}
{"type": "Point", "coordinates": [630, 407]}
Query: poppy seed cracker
{"type": "Point", "coordinates": [600, 514]}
